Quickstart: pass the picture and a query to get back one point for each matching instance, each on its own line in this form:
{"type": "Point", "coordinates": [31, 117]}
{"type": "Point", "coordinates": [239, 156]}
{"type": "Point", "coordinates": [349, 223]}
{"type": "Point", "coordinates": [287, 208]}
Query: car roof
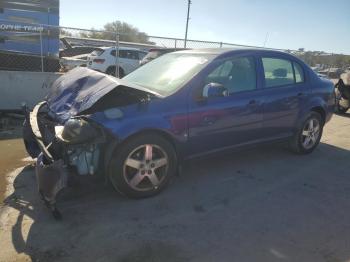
{"type": "Point", "coordinates": [224, 52]}
{"type": "Point", "coordinates": [219, 51]}
{"type": "Point", "coordinates": [168, 49]}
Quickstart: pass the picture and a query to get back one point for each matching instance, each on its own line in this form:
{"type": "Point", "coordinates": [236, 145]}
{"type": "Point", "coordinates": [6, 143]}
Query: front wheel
{"type": "Point", "coordinates": [143, 166]}
{"type": "Point", "coordinates": [308, 135]}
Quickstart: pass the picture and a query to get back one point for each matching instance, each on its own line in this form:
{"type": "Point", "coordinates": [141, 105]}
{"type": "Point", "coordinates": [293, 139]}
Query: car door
{"type": "Point", "coordinates": [124, 61]}
{"type": "Point", "coordinates": [284, 91]}
{"type": "Point", "coordinates": [222, 122]}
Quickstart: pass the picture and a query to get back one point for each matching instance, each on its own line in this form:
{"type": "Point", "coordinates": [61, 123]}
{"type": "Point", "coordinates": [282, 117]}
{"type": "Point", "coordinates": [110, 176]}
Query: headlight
{"type": "Point", "coordinates": [76, 131]}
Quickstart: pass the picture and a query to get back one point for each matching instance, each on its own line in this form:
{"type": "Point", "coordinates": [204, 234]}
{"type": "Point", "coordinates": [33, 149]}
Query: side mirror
{"type": "Point", "coordinates": [214, 90]}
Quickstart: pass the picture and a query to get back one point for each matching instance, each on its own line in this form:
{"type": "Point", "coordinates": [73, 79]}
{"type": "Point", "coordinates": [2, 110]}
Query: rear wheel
{"type": "Point", "coordinates": [143, 166]}
{"type": "Point", "coordinates": [308, 135]}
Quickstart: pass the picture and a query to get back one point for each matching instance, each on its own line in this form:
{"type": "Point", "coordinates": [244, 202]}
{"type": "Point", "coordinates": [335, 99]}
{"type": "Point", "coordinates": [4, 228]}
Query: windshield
{"type": "Point", "coordinates": [169, 72]}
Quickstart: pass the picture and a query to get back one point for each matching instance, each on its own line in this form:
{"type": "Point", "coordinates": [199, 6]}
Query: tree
{"type": "Point", "coordinates": [127, 33]}
{"type": "Point", "coordinates": [64, 32]}
{"type": "Point", "coordinates": [313, 58]}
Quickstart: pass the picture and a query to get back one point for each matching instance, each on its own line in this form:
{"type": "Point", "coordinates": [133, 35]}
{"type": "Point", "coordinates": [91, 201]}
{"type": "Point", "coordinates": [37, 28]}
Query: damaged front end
{"type": "Point", "coordinates": [74, 145]}
{"type": "Point", "coordinates": [61, 133]}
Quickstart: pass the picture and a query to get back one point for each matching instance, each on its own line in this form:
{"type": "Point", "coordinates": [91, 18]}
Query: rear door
{"type": "Point", "coordinates": [284, 93]}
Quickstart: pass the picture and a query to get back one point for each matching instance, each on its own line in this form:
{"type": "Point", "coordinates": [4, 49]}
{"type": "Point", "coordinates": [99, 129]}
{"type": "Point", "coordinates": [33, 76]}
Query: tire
{"type": "Point", "coordinates": [138, 174]}
{"type": "Point", "coordinates": [299, 142]}
{"type": "Point", "coordinates": [111, 71]}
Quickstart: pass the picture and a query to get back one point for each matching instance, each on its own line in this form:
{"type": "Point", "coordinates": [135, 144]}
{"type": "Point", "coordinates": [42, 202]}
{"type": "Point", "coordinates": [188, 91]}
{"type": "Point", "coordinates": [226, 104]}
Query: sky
{"type": "Point", "coordinates": [289, 24]}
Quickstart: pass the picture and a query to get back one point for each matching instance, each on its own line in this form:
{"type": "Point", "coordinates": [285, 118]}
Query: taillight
{"type": "Point", "coordinates": [98, 61]}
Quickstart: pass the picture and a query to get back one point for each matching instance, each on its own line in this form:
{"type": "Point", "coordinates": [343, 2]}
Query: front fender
{"type": "Point", "coordinates": [120, 131]}
{"type": "Point", "coordinates": [126, 126]}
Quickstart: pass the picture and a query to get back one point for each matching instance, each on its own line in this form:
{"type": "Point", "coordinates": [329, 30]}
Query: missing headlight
{"type": "Point", "coordinates": [76, 131]}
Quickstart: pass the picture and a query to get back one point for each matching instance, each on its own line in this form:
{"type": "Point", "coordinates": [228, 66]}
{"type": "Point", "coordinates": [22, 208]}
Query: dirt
{"type": "Point", "coordinates": [12, 152]}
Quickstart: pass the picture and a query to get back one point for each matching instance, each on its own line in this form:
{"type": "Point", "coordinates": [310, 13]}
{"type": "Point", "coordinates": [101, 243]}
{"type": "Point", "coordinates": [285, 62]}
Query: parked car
{"type": "Point", "coordinates": [322, 75]}
{"type": "Point", "coordinates": [333, 73]}
{"type": "Point", "coordinates": [157, 52]}
{"type": "Point", "coordinates": [137, 131]}
{"type": "Point", "coordinates": [342, 95]}
{"type": "Point", "coordinates": [104, 60]}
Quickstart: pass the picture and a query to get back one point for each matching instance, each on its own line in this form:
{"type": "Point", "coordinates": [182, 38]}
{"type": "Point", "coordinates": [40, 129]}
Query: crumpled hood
{"type": "Point", "coordinates": [79, 89]}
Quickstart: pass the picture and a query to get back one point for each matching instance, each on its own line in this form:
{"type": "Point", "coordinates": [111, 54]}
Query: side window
{"type": "Point", "coordinates": [278, 72]}
{"type": "Point", "coordinates": [236, 75]}
{"type": "Point", "coordinates": [222, 71]}
{"type": "Point", "coordinates": [299, 73]}
{"type": "Point", "coordinates": [128, 54]}
{"type": "Point", "coordinates": [133, 55]}
{"type": "Point", "coordinates": [123, 54]}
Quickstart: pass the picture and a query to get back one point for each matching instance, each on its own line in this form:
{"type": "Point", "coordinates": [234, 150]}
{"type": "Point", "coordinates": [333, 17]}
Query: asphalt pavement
{"type": "Point", "coordinates": [265, 204]}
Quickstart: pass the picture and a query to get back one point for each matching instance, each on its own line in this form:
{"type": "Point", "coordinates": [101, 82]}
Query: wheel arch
{"type": "Point", "coordinates": [321, 111]}
{"type": "Point", "coordinates": [316, 104]}
{"type": "Point", "coordinates": [152, 131]}
{"type": "Point", "coordinates": [115, 144]}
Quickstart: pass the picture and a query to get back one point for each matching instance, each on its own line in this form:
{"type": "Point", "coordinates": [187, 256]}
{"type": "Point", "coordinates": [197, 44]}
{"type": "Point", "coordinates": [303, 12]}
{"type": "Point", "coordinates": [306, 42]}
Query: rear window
{"type": "Point", "coordinates": [299, 73]}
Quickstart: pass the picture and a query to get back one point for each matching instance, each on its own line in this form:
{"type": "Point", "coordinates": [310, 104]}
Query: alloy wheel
{"type": "Point", "coordinates": [146, 167]}
{"type": "Point", "coordinates": [311, 133]}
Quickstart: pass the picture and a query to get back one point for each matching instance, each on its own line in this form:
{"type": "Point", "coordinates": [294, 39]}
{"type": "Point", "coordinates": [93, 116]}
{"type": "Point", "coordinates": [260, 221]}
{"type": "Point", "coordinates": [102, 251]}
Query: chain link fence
{"type": "Point", "coordinates": [38, 47]}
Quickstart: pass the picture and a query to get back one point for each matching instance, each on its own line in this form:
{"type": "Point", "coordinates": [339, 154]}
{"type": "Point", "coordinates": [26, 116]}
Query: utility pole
{"type": "Point", "coordinates": [188, 18]}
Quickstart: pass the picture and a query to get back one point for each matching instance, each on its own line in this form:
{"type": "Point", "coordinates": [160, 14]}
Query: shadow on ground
{"type": "Point", "coordinates": [261, 205]}
{"type": "Point", "coordinates": [347, 115]}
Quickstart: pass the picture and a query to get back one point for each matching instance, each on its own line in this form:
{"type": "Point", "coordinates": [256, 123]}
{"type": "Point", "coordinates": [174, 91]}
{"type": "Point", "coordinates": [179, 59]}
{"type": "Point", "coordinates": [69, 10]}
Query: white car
{"type": "Point", "coordinates": [104, 60]}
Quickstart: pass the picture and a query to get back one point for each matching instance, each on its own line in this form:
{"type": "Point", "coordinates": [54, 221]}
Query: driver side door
{"type": "Point", "coordinates": [234, 119]}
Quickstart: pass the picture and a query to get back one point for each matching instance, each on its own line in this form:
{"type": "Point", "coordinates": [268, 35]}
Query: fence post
{"type": "Point", "coordinates": [116, 53]}
{"type": "Point", "coordinates": [220, 44]}
{"type": "Point", "coordinates": [175, 42]}
{"type": "Point", "coordinates": [41, 51]}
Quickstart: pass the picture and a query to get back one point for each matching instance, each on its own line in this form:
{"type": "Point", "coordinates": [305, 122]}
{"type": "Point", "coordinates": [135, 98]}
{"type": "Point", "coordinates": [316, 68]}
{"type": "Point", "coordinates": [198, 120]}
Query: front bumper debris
{"type": "Point", "coordinates": [51, 173]}
{"type": "Point", "coordinates": [51, 178]}
{"type": "Point", "coordinates": [33, 122]}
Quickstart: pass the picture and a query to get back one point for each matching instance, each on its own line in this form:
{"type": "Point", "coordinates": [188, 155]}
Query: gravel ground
{"type": "Point", "coordinates": [265, 204]}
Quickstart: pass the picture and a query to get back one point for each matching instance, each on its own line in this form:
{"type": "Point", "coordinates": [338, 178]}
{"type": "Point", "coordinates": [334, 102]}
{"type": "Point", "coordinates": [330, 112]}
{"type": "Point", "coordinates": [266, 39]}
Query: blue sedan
{"type": "Point", "coordinates": [137, 131]}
